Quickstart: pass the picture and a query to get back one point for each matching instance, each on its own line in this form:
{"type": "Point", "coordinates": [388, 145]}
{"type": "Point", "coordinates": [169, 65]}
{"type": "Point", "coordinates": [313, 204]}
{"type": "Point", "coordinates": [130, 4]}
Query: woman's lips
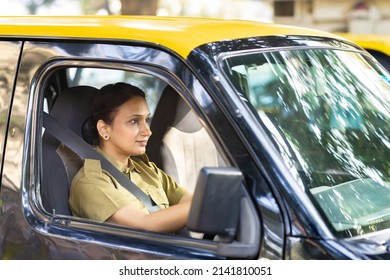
{"type": "Point", "coordinates": [143, 143]}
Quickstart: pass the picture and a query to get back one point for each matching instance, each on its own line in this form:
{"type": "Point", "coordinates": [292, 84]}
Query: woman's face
{"type": "Point", "coordinates": [129, 132]}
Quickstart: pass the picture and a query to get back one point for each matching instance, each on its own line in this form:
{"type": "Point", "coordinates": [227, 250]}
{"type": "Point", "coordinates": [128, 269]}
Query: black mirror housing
{"type": "Point", "coordinates": [215, 206]}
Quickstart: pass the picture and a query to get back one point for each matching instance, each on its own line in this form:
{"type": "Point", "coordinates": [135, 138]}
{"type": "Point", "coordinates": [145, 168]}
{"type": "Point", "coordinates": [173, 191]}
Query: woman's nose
{"type": "Point", "coordinates": [145, 130]}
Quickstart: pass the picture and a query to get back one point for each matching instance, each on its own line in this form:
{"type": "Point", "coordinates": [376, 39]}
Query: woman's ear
{"type": "Point", "coordinates": [102, 129]}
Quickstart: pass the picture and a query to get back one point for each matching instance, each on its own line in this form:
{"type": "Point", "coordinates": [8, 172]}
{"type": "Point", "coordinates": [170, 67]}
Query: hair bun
{"type": "Point", "coordinates": [89, 131]}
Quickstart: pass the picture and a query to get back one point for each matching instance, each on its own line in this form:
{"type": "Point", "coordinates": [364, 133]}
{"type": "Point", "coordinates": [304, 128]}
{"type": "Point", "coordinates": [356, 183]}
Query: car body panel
{"type": "Point", "coordinates": [181, 35]}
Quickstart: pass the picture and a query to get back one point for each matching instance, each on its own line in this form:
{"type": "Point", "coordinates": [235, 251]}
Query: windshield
{"type": "Point", "coordinates": [327, 112]}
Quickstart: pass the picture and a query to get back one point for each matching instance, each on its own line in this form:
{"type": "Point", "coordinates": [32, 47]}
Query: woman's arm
{"type": "Point", "coordinates": [168, 220]}
{"type": "Point", "coordinates": [186, 197]}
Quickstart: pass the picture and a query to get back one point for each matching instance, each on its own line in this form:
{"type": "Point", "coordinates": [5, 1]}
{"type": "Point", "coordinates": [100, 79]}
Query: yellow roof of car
{"type": "Point", "coordinates": [181, 34]}
{"type": "Point", "coordinates": [374, 42]}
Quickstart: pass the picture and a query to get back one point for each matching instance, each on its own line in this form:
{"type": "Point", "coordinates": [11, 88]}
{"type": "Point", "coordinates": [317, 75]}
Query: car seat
{"type": "Point", "coordinates": [179, 144]}
{"type": "Point", "coordinates": [60, 164]}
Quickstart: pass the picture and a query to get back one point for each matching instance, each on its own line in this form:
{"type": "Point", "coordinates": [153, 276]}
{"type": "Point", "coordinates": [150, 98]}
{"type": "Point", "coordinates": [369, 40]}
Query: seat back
{"type": "Point", "coordinates": [60, 164]}
{"type": "Point", "coordinates": [180, 145]}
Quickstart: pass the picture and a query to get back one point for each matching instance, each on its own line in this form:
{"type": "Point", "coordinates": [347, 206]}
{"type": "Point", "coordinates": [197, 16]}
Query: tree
{"type": "Point", "coordinates": [92, 7]}
{"type": "Point", "coordinates": [139, 7]}
{"type": "Point", "coordinates": [33, 5]}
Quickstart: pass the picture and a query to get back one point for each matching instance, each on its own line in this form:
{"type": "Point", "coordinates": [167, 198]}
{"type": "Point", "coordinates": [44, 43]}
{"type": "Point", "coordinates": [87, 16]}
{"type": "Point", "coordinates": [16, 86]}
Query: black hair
{"type": "Point", "coordinates": [105, 106]}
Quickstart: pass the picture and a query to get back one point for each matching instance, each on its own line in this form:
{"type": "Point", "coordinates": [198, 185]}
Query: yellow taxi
{"type": "Point", "coordinates": [376, 44]}
{"type": "Point", "coordinates": [282, 134]}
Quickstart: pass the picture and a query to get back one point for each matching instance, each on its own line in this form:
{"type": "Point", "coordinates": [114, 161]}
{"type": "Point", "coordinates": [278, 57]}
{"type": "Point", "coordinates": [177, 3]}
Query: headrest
{"type": "Point", "coordinates": [73, 107]}
{"type": "Point", "coordinates": [182, 118]}
{"type": "Point", "coordinates": [185, 119]}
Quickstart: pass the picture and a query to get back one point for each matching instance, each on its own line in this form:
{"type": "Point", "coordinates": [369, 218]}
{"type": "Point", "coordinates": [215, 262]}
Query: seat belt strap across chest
{"type": "Point", "coordinates": [86, 151]}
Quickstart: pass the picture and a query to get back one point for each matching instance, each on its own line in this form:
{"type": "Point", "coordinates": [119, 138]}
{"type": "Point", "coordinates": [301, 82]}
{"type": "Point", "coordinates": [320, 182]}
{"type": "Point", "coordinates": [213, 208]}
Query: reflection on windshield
{"type": "Point", "coordinates": [328, 114]}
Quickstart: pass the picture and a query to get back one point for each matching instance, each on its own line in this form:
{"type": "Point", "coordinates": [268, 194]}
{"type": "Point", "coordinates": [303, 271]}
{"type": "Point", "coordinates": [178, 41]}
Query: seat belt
{"type": "Point", "coordinates": [69, 138]}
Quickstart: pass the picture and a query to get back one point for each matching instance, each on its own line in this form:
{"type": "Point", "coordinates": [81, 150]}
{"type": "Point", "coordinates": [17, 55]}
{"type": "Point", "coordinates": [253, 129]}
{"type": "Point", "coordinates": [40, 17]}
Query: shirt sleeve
{"type": "Point", "coordinates": [94, 195]}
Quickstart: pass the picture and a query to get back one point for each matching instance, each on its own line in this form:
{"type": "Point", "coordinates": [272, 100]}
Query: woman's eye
{"type": "Point", "coordinates": [135, 121]}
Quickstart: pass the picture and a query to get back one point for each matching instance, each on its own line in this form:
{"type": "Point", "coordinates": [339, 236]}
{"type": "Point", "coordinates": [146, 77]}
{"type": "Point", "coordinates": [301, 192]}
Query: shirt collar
{"type": "Point", "coordinates": [125, 169]}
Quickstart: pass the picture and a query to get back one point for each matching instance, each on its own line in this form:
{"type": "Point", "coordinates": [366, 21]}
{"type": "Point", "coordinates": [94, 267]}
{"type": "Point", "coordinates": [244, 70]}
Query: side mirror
{"type": "Point", "coordinates": [215, 208]}
{"type": "Point", "coordinates": [221, 206]}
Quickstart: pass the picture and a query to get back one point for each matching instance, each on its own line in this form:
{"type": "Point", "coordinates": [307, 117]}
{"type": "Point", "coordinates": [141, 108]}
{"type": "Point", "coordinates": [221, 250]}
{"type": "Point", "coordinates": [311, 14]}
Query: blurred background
{"type": "Point", "coordinates": [354, 16]}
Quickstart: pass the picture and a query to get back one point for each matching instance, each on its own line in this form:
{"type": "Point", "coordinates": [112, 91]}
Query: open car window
{"type": "Point", "coordinates": [180, 145]}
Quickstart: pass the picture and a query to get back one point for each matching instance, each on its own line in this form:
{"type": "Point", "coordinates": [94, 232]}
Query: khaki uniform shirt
{"type": "Point", "coordinates": [95, 194]}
